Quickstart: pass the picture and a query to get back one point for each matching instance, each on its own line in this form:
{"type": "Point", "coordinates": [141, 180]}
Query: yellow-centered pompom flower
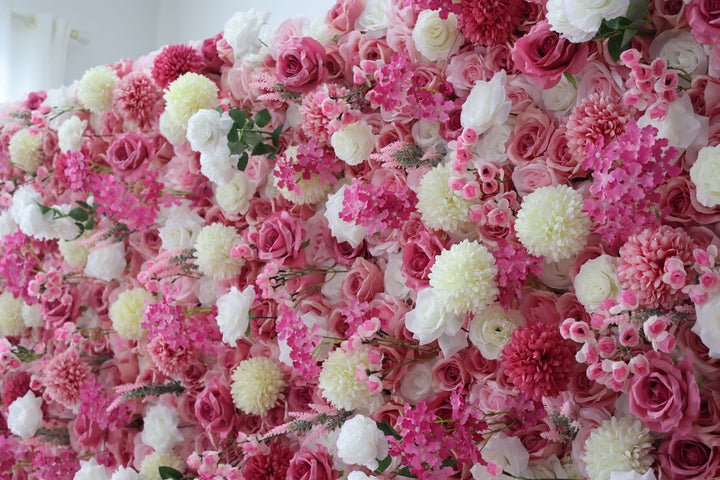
{"type": "Point", "coordinates": [257, 385]}
{"type": "Point", "coordinates": [26, 150]}
{"type": "Point", "coordinates": [619, 445]}
{"type": "Point", "coordinates": [74, 254]}
{"type": "Point", "coordinates": [551, 223]}
{"type": "Point", "coordinates": [95, 89]}
{"type": "Point", "coordinates": [441, 207]}
{"type": "Point", "coordinates": [212, 250]}
{"type": "Point", "coordinates": [338, 383]}
{"type": "Point", "coordinates": [126, 313]}
{"type": "Point", "coordinates": [11, 319]}
{"type": "Point", "coordinates": [184, 97]}
{"type": "Point", "coordinates": [150, 466]}
{"type": "Point", "coordinates": [463, 277]}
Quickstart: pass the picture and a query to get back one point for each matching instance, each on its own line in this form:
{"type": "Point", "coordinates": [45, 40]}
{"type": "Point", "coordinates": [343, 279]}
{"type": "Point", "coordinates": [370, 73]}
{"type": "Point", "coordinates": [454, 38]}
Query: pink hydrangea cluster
{"type": "Point", "coordinates": [377, 208]}
{"type": "Point", "coordinates": [302, 341]}
{"type": "Point", "coordinates": [311, 160]}
{"type": "Point", "coordinates": [73, 168]}
{"type": "Point", "coordinates": [19, 256]}
{"type": "Point", "coordinates": [94, 403]}
{"type": "Point", "coordinates": [514, 265]}
{"type": "Point", "coordinates": [651, 87]}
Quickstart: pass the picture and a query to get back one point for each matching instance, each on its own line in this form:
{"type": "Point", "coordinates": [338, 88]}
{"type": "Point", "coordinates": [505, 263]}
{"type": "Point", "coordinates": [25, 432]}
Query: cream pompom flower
{"type": "Point", "coordinates": [95, 90]}
{"type": "Point", "coordinates": [441, 207]}
{"type": "Point", "coordinates": [618, 445]}
{"type": "Point", "coordinates": [186, 96]}
{"type": "Point", "coordinates": [11, 319]}
{"type": "Point", "coordinates": [257, 385]}
{"type": "Point", "coordinates": [126, 313]}
{"type": "Point", "coordinates": [551, 223]}
{"type": "Point", "coordinates": [338, 383]}
{"type": "Point", "coordinates": [463, 277]}
{"type": "Point", "coordinates": [150, 466]}
{"type": "Point", "coordinates": [212, 250]}
{"type": "Point", "coordinates": [26, 150]}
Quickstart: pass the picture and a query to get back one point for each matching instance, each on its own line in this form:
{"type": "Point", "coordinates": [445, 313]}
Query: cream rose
{"type": "Point", "coordinates": [680, 51]}
{"type": "Point", "coordinates": [437, 39]}
{"type": "Point", "coordinates": [207, 131]}
{"type": "Point", "coordinates": [233, 315]}
{"type": "Point", "coordinates": [360, 442]}
{"type": "Point", "coordinates": [25, 415]}
{"type": "Point", "coordinates": [707, 325]}
{"type": "Point", "coordinates": [492, 328]}
{"type": "Point", "coordinates": [487, 105]}
{"type": "Point", "coordinates": [596, 282]}
{"type": "Point", "coordinates": [242, 32]}
{"type": "Point", "coordinates": [181, 228]}
{"type": "Point", "coordinates": [705, 174]}
{"type": "Point", "coordinates": [106, 263]}
{"type": "Point", "coordinates": [354, 143]}
{"type": "Point", "coordinates": [429, 321]}
{"type": "Point", "coordinates": [234, 197]}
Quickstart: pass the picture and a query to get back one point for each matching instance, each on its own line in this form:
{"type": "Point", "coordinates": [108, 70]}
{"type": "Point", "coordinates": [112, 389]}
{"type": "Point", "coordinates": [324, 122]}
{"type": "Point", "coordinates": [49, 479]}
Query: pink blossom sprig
{"type": "Point", "coordinates": [54, 463]}
{"type": "Point", "coordinates": [406, 155]}
{"type": "Point", "coordinates": [311, 160]}
{"type": "Point", "coordinates": [445, 7]}
{"type": "Point", "coordinates": [302, 341]}
{"type": "Point", "coordinates": [20, 258]}
{"type": "Point", "coordinates": [168, 265]}
{"type": "Point", "coordinates": [651, 87]}
{"type": "Point", "coordinates": [94, 403]}
{"type": "Point", "coordinates": [626, 174]}
{"type": "Point", "coordinates": [377, 208]}
{"type": "Point", "coordinates": [514, 265]}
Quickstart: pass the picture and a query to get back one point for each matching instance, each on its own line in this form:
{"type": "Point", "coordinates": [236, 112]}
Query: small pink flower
{"type": "Point", "coordinates": [494, 469]}
{"type": "Point", "coordinates": [639, 365]}
{"type": "Point", "coordinates": [629, 337]}
{"type": "Point", "coordinates": [654, 326]}
{"type": "Point", "coordinates": [580, 332]}
{"type": "Point", "coordinates": [708, 280]}
{"type": "Point", "coordinates": [607, 346]}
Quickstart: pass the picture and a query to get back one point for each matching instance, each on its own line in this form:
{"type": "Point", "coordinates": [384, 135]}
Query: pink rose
{"type": "Point", "coordinates": [679, 200]}
{"type": "Point", "coordinates": [86, 433]}
{"type": "Point", "coordinates": [363, 281]}
{"type": "Point", "coordinates": [529, 177]}
{"type": "Point", "coordinates": [450, 374]}
{"type": "Point", "coordinates": [668, 14]}
{"type": "Point", "coordinates": [478, 366]}
{"type": "Point", "coordinates": [280, 237]}
{"type": "Point", "coordinates": [667, 398]}
{"type": "Point", "coordinates": [342, 16]}
{"type": "Point", "coordinates": [544, 56]}
{"type": "Point", "coordinates": [531, 136]}
{"type": "Point", "coordinates": [705, 95]}
{"type": "Point", "coordinates": [703, 16]}
{"type": "Point", "coordinates": [684, 456]}
{"type": "Point", "coordinates": [214, 408]}
{"type": "Point", "coordinates": [418, 257]}
{"type": "Point", "coordinates": [309, 465]}
{"type": "Point", "coordinates": [464, 70]}
{"type": "Point", "coordinates": [300, 64]}
{"type": "Point", "coordinates": [540, 306]}
{"type": "Point", "coordinates": [129, 154]}
{"type": "Point", "coordinates": [558, 156]}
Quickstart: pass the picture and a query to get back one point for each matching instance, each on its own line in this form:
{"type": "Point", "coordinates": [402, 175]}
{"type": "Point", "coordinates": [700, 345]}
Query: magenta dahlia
{"type": "Point", "coordinates": [63, 376]}
{"type": "Point", "coordinates": [174, 61]}
{"type": "Point", "coordinates": [135, 98]}
{"type": "Point", "coordinates": [488, 22]}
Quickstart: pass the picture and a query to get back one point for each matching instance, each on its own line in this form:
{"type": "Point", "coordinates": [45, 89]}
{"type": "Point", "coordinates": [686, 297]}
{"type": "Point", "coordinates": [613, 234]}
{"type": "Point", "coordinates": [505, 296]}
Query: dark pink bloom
{"type": "Point", "coordinates": [688, 456]}
{"type": "Point", "coordinates": [174, 61]}
{"type": "Point", "coordinates": [300, 64]}
{"type": "Point", "coordinates": [704, 19]}
{"type": "Point", "coordinates": [309, 465]}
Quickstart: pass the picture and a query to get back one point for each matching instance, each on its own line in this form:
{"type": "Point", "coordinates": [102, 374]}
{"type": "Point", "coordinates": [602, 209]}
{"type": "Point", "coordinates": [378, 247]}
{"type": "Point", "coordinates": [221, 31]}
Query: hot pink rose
{"type": "Point", "coordinates": [214, 408]}
{"type": "Point", "coordinates": [309, 465]}
{"type": "Point", "coordinates": [544, 56]}
{"type": "Point", "coordinates": [363, 281]}
{"type": "Point", "coordinates": [419, 257]}
{"type": "Point", "coordinates": [684, 456]}
{"type": "Point", "coordinates": [280, 237]}
{"type": "Point", "coordinates": [704, 19]}
{"type": "Point", "coordinates": [667, 398]}
{"type": "Point", "coordinates": [129, 154]}
{"type": "Point", "coordinates": [300, 64]}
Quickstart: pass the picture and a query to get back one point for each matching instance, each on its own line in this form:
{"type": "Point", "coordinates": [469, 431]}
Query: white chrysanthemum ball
{"type": "Point", "coordinates": [212, 250]}
{"type": "Point", "coordinates": [184, 97]}
{"type": "Point", "coordinates": [32, 316]}
{"type": "Point", "coordinates": [95, 90]}
{"type": "Point", "coordinates": [551, 223]}
{"type": "Point", "coordinates": [26, 150]}
{"type": "Point", "coordinates": [126, 313]}
{"type": "Point", "coordinates": [441, 207]}
{"type": "Point", "coordinates": [70, 134]}
{"type": "Point", "coordinates": [618, 445]}
{"type": "Point", "coordinates": [257, 385]}
{"type": "Point", "coordinates": [11, 319]}
{"type": "Point", "coordinates": [463, 277]}
{"type": "Point", "coordinates": [338, 383]}
{"type": "Point", "coordinates": [150, 466]}
{"type": "Point", "coordinates": [74, 254]}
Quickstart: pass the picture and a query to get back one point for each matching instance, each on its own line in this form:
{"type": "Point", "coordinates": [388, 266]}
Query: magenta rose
{"type": "Point", "coordinates": [703, 16]}
{"type": "Point", "coordinates": [301, 64]}
{"type": "Point", "coordinates": [280, 237]}
{"type": "Point", "coordinates": [419, 257]}
{"type": "Point", "coordinates": [129, 154]}
{"type": "Point", "coordinates": [214, 408]}
{"type": "Point", "coordinates": [309, 465]}
{"type": "Point", "coordinates": [667, 398]}
{"type": "Point", "coordinates": [684, 456]}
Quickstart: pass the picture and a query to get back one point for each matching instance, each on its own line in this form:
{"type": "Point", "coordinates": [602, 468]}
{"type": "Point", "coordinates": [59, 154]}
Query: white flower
{"type": "Point", "coordinates": [207, 130]}
{"type": "Point", "coordinates": [560, 23]}
{"type": "Point", "coordinates": [150, 465]}
{"type": "Point", "coordinates": [218, 166]}
{"type": "Point", "coordinates": [181, 228]}
{"type": "Point", "coordinates": [25, 212]}
{"type": "Point", "coordinates": [707, 325]}
{"type": "Point", "coordinates": [618, 445]}
{"type": "Point", "coordinates": [70, 134]}
{"type": "Point", "coordinates": [427, 134]}
{"type": "Point", "coordinates": [441, 207]}
{"type": "Point", "coordinates": [680, 51]}
{"type": "Point", "coordinates": [62, 101]}
{"type": "Point", "coordinates": [393, 278]}
{"type": "Point", "coordinates": [106, 263]}
{"type": "Point", "coordinates": [25, 150]}
{"type": "Point", "coordinates": [357, 475]}
{"type": "Point", "coordinates": [233, 313]}
{"type": "Point", "coordinates": [596, 282]}
{"type": "Point", "coordinates": [126, 313]}
{"type": "Point", "coordinates": [487, 105]}
{"type": "Point", "coordinates": [633, 475]}
{"type": "Point", "coordinates": [123, 473]}
{"type": "Point", "coordinates": [343, 231]}
{"type": "Point", "coordinates": [508, 452]}
{"type": "Point", "coordinates": [361, 443]}
{"type": "Point", "coordinates": [212, 250]}
{"type": "Point", "coordinates": [312, 189]}
{"type": "Point", "coordinates": [257, 385]}
{"type": "Point", "coordinates": [25, 415]}
{"type": "Point", "coordinates": [90, 470]}
{"type": "Point", "coordinates": [681, 126]}
{"type": "Point", "coordinates": [242, 32]}
{"type": "Point", "coordinates": [95, 89]}
{"type": "Point", "coordinates": [705, 174]}
{"type": "Point", "coordinates": [417, 383]}
{"type": "Point", "coordinates": [491, 329]}
{"type": "Point", "coordinates": [430, 320]}
{"type": "Point", "coordinates": [11, 320]}
{"type": "Point", "coordinates": [183, 98]}
{"type": "Point", "coordinates": [73, 253]}
{"type": "Point", "coordinates": [7, 224]}
{"type": "Point", "coordinates": [561, 98]}
{"type": "Point", "coordinates": [373, 20]}
{"type": "Point", "coordinates": [31, 315]}
{"type": "Point", "coordinates": [337, 381]}
{"type": "Point", "coordinates": [234, 196]}
{"type": "Point", "coordinates": [160, 428]}
{"type": "Point", "coordinates": [437, 39]}
{"type": "Point", "coordinates": [354, 143]}
{"type": "Point", "coordinates": [491, 146]}
{"type": "Point", "coordinates": [579, 20]}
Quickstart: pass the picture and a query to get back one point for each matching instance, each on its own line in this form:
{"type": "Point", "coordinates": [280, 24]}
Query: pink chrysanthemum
{"type": "Point", "coordinates": [174, 61]}
{"type": "Point", "coordinates": [318, 109]}
{"type": "Point", "coordinates": [538, 361]}
{"type": "Point", "coordinates": [597, 116]}
{"type": "Point", "coordinates": [64, 375]}
{"type": "Point", "coordinates": [640, 268]}
{"type": "Point", "coordinates": [273, 466]}
{"type": "Point", "coordinates": [173, 362]}
{"type": "Point", "coordinates": [135, 98]}
{"type": "Point", "coordinates": [488, 22]}
{"type": "Point", "coordinates": [14, 387]}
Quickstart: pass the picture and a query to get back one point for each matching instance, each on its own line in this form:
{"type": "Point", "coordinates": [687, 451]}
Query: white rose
{"type": "Point", "coordinates": [207, 131]}
{"type": "Point", "coordinates": [633, 475]}
{"type": "Point", "coordinates": [560, 23]}
{"type": "Point", "coordinates": [90, 470]}
{"type": "Point", "coordinates": [61, 99]}
{"type": "Point", "coordinates": [354, 143]}
{"type": "Point", "coordinates": [492, 328]}
{"type": "Point", "coordinates": [242, 32]}
{"type": "Point", "coordinates": [417, 383]}
{"type": "Point", "coordinates": [25, 212]}
{"type": "Point", "coordinates": [426, 134]}
{"type": "Point", "coordinates": [356, 475]}
{"type": "Point", "coordinates": [373, 20]}
{"type": "Point", "coordinates": [429, 321]}
{"type": "Point", "coordinates": [123, 473]}
{"type": "Point", "coordinates": [491, 146]}
{"type": "Point", "coordinates": [106, 263]}
{"type": "Point", "coordinates": [437, 39]}
{"type": "Point", "coordinates": [487, 105]}
{"type": "Point", "coordinates": [233, 315]}
{"type": "Point", "coordinates": [596, 282]}
{"type": "Point", "coordinates": [508, 452]}
{"type": "Point", "coordinates": [361, 443]}
{"type": "Point", "coordinates": [218, 166]}
{"type": "Point", "coordinates": [555, 274]}
{"type": "Point", "coordinates": [25, 415]}
{"type": "Point", "coordinates": [705, 174]}
{"type": "Point", "coordinates": [70, 134]}
{"type": "Point", "coordinates": [181, 228]}
{"type": "Point", "coordinates": [681, 126]}
{"type": "Point", "coordinates": [7, 224]}
{"type": "Point", "coordinates": [343, 231]}
{"type": "Point", "coordinates": [234, 197]}
{"type": "Point", "coordinates": [561, 98]}
{"type": "Point", "coordinates": [587, 15]}
{"type": "Point", "coordinates": [707, 325]}
{"type": "Point", "coordinates": [393, 278]}
{"type": "Point", "coordinates": [680, 51]}
{"type": "Point", "coordinates": [160, 428]}
{"type": "Point", "coordinates": [320, 31]}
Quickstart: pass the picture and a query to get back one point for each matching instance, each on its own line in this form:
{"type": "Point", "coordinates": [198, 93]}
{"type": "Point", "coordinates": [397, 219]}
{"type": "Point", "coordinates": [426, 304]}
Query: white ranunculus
{"type": "Point", "coordinates": [181, 228]}
{"type": "Point", "coordinates": [487, 105]}
{"type": "Point", "coordinates": [70, 134]}
{"type": "Point", "coordinates": [360, 442]}
{"type": "Point", "coordinates": [561, 98]}
{"type": "Point", "coordinates": [681, 126]}
{"type": "Point", "coordinates": [587, 15]}
{"type": "Point", "coordinates": [123, 473]}
{"type": "Point", "coordinates": [426, 134]}
{"type": "Point", "coordinates": [218, 166]}
{"type": "Point", "coordinates": [417, 383]}
{"type": "Point", "coordinates": [596, 282]}
{"type": "Point", "coordinates": [90, 470]}
{"type": "Point", "coordinates": [491, 329]}
{"type": "Point", "coordinates": [437, 39]}
{"type": "Point", "coordinates": [633, 475]}
{"type": "Point", "coordinates": [560, 23]}
{"type": "Point", "coordinates": [107, 262]}
{"type": "Point", "coordinates": [373, 20]}
{"type": "Point", "coordinates": [160, 428]}
{"type": "Point", "coordinates": [491, 146]}
{"type": "Point", "coordinates": [508, 452]}
{"type": "Point", "coordinates": [207, 131]}
{"type": "Point", "coordinates": [233, 315]}
{"type": "Point", "coordinates": [242, 32]}
{"type": "Point", "coordinates": [680, 51]}
{"type": "Point", "coordinates": [25, 415]}
{"type": "Point", "coordinates": [394, 280]}
{"type": "Point", "coordinates": [354, 143]}
{"type": "Point", "coordinates": [234, 197]}
{"type": "Point", "coordinates": [707, 325]}
{"type": "Point", "coordinates": [705, 174]}
{"type": "Point", "coordinates": [429, 321]}
{"type": "Point", "coordinates": [343, 231]}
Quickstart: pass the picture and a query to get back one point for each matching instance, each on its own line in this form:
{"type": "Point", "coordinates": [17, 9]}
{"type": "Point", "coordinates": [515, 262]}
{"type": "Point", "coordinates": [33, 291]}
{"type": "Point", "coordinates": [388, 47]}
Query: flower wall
{"type": "Point", "coordinates": [414, 238]}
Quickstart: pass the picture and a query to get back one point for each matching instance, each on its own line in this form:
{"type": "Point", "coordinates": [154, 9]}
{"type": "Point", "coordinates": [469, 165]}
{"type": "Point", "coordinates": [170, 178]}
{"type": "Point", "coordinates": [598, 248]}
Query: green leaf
{"type": "Point", "coordinates": [615, 47]}
{"type": "Point", "coordinates": [262, 118]}
{"type": "Point", "coordinates": [169, 473]}
{"type": "Point", "coordinates": [252, 138]}
{"type": "Point", "coordinates": [243, 161]}
{"type": "Point", "coordinates": [236, 148]}
{"type": "Point", "coordinates": [613, 23]}
{"type": "Point", "coordinates": [218, 109]}
{"type": "Point", "coordinates": [276, 136]}
{"type": "Point", "coordinates": [239, 117]}
{"type": "Point", "coordinates": [448, 462]}
{"type": "Point", "coordinates": [637, 10]}
{"type": "Point", "coordinates": [405, 472]}
{"type": "Point", "coordinates": [388, 430]}
{"type": "Point", "coordinates": [79, 214]}
{"type": "Point", "coordinates": [233, 135]}
{"type": "Point", "coordinates": [262, 149]}
{"type": "Point", "coordinates": [305, 244]}
{"type": "Point", "coordinates": [383, 465]}
{"type": "Point", "coordinates": [91, 224]}
{"type": "Point", "coordinates": [85, 205]}
{"type": "Point", "coordinates": [43, 208]}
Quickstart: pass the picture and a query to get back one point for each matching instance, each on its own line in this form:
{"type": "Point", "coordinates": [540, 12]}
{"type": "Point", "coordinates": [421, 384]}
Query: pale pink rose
{"type": "Point", "coordinates": [300, 64]}
{"type": "Point", "coordinates": [596, 77]}
{"type": "Point", "coordinates": [401, 20]}
{"type": "Point", "coordinates": [288, 30]}
{"type": "Point", "coordinates": [363, 281]}
{"type": "Point", "coordinates": [703, 16]}
{"type": "Point", "coordinates": [540, 306]}
{"type": "Point", "coordinates": [310, 465]}
{"type": "Point", "coordinates": [668, 14]}
{"type": "Point", "coordinates": [86, 434]}
{"type": "Point", "coordinates": [214, 408]}
{"type": "Point", "coordinates": [129, 155]}
{"type": "Point", "coordinates": [335, 65]}
{"type": "Point", "coordinates": [705, 95]}
{"type": "Point", "coordinates": [419, 256]}
{"type": "Point", "coordinates": [449, 374]}
{"type": "Point", "coordinates": [355, 47]}
{"type": "Point", "coordinates": [559, 159]}
{"type": "Point", "coordinates": [280, 237]}
{"type": "Point", "coordinates": [498, 57]}
{"type": "Point", "coordinates": [537, 445]}
{"type": "Point", "coordinates": [488, 396]}
{"type": "Point", "coordinates": [342, 16]}
{"type": "Point", "coordinates": [393, 132]}
{"type": "Point", "coordinates": [589, 393]}
{"type": "Point", "coordinates": [464, 70]}
{"type": "Point", "coordinates": [528, 177]}
{"type": "Point", "coordinates": [391, 313]}
{"type": "Point", "coordinates": [678, 199]}
{"type": "Point", "coordinates": [478, 366]}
